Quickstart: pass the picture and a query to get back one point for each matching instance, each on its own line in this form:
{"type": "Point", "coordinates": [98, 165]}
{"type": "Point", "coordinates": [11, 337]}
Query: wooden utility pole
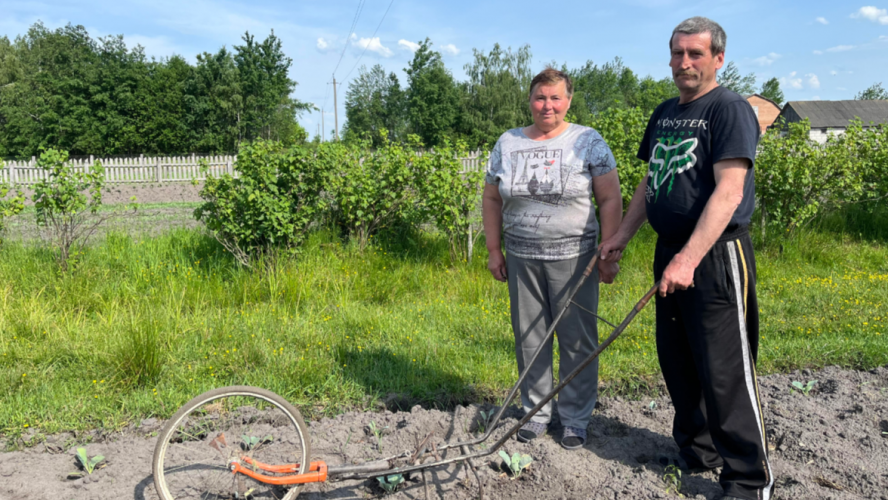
{"type": "Point", "coordinates": [323, 130]}
{"type": "Point", "coordinates": [335, 110]}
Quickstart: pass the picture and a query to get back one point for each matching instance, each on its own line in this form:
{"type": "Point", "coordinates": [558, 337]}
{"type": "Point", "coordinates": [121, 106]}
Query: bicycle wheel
{"type": "Point", "coordinates": [196, 447]}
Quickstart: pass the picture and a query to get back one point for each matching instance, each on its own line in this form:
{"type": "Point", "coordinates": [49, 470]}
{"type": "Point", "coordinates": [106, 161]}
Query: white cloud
{"type": "Point", "coordinates": [813, 81]}
{"type": "Point", "coordinates": [883, 38]}
{"type": "Point", "coordinates": [767, 60]}
{"type": "Point", "coordinates": [155, 46]}
{"type": "Point", "coordinates": [322, 44]}
{"type": "Point", "coordinates": [833, 72]}
{"type": "Point", "coordinates": [818, 52]}
{"type": "Point", "coordinates": [840, 48]}
{"type": "Point", "coordinates": [372, 45]}
{"type": "Point", "coordinates": [408, 45]}
{"type": "Point", "coordinates": [874, 14]}
{"type": "Point", "coordinates": [791, 81]}
{"type": "Point", "coordinates": [822, 20]}
{"type": "Point", "coordinates": [450, 49]}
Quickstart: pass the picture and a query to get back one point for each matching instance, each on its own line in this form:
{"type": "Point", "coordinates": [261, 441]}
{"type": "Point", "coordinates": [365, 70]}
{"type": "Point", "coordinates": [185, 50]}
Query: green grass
{"type": "Point", "coordinates": [143, 325]}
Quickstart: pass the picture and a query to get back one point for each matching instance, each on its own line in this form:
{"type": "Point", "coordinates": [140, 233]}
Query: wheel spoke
{"type": "Point", "coordinates": [221, 426]}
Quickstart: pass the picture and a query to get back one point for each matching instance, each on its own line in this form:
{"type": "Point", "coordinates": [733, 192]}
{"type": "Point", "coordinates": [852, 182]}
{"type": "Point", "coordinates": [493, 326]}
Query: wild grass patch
{"type": "Point", "coordinates": [141, 325]}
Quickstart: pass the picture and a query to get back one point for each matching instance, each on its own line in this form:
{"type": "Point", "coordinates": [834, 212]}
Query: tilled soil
{"type": "Point", "coordinates": [139, 223]}
{"type": "Point", "coordinates": [829, 444]}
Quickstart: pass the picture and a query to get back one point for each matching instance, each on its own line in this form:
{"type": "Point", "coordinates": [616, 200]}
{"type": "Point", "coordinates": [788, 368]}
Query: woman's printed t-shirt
{"type": "Point", "coordinates": [546, 188]}
{"type": "Point", "coordinates": [681, 144]}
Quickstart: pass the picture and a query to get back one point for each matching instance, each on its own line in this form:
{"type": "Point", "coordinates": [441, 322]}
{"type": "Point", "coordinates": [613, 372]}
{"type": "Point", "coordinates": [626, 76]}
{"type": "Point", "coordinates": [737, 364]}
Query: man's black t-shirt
{"type": "Point", "coordinates": [681, 144]}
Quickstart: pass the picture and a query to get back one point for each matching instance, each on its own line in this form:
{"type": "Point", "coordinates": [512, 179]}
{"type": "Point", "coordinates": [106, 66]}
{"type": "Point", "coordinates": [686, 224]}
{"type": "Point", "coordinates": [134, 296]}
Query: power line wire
{"type": "Point", "coordinates": [326, 93]}
{"type": "Point", "coordinates": [350, 31]}
{"type": "Point", "coordinates": [371, 39]}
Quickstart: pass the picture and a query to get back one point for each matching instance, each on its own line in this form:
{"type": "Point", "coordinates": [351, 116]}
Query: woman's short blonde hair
{"type": "Point", "coordinates": [551, 76]}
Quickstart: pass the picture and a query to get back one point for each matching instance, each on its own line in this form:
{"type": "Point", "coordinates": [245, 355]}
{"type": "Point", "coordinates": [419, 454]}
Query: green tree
{"type": "Point", "coordinates": [730, 78]}
{"type": "Point", "coordinates": [604, 87]}
{"type": "Point", "coordinates": [652, 92]}
{"type": "Point", "coordinates": [62, 89]}
{"type": "Point", "coordinates": [432, 96]}
{"type": "Point", "coordinates": [614, 86]}
{"type": "Point", "coordinates": [374, 102]}
{"type": "Point", "coordinates": [771, 90]}
{"type": "Point", "coordinates": [163, 108]}
{"type": "Point", "coordinates": [873, 93]}
{"type": "Point", "coordinates": [268, 110]}
{"type": "Point", "coordinates": [496, 94]}
{"type": "Point", "coordinates": [50, 103]}
{"type": "Point", "coordinates": [215, 103]}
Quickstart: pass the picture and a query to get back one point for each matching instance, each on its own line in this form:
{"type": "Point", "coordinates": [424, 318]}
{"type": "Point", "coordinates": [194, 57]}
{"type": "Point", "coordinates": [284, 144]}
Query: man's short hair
{"type": "Point", "coordinates": [551, 76]}
{"type": "Point", "coordinates": [700, 24]}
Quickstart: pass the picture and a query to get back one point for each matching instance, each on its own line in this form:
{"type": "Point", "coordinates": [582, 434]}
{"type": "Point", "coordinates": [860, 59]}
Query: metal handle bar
{"type": "Point", "coordinates": [381, 467]}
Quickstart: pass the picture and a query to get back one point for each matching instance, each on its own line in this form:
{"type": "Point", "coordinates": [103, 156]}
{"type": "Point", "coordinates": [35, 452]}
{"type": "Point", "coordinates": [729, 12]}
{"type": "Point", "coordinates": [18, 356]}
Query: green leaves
{"type": "Point", "coordinates": [804, 388]}
{"type": "Point", "coordinates": [251, 442]}
{"type": "Point", "coordinates": [62, 203]}
{"type": "Point", "coordinates": [88, 463]}
{"type": "Point", "coordinates": [61, 88]}
{"type": "Point", "coordinates": [798, 179]}
{"type": "Point", "coordinates": [270, 206]}
{"type": "Point", "coordinates": [672, 480]}
{"type": "Point", "coordinates": [369, 189]}
{"type": "Point", "coordinates": [516, 463]}
{"type": "Point", "coordinates": [391, 482]}
{"type": "Point", "coordinates": [451, 196]}
{"type": "Point", "coordinates": [622, 130]}
{"type": "Point", "coordinates": [9, 206]}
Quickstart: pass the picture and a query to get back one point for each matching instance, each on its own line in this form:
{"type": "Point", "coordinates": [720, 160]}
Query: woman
{"type": "Point", "coordinates": [540, 181]}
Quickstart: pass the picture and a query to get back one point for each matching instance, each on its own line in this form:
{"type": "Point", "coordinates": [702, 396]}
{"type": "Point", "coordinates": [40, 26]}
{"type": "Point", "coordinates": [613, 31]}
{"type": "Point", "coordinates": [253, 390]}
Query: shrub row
{"type": "Point", "coordinates": [282, 191]}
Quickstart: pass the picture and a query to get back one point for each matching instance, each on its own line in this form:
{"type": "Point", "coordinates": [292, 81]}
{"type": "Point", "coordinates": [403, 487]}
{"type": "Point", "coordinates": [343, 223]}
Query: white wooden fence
{"type": "Point", "coordinates": [155, 169]}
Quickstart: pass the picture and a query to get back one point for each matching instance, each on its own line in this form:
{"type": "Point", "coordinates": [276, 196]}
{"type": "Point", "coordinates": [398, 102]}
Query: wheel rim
{"type": "Point", "coordinates": [196, 449]}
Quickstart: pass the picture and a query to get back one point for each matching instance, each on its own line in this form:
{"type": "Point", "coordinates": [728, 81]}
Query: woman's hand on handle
{"type": "Point", "coordinates": [496, 263]}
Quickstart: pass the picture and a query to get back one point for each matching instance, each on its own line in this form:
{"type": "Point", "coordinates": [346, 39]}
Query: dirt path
{"type": "Point", "coordinates": [830, 444]}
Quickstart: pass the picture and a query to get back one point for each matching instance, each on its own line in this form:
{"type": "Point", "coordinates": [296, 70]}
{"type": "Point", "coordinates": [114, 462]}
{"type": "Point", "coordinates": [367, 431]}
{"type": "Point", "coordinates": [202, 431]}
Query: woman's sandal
{"type": "Point", "coordinates": [531, 431]}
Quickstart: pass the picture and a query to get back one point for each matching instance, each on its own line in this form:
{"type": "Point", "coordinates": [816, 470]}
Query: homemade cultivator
{"type": "Point", "coordinates": [245, 442]}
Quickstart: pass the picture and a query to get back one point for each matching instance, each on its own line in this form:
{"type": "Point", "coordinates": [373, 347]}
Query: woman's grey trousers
{"type": "Point", "coordinates": [538, 290]}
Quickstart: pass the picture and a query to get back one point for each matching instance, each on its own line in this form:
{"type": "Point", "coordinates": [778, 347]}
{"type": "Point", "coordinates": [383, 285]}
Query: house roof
{"type": "Point", "coordinates": [839, 113]}
{"type": "Point", "coordinates": [761, 97]}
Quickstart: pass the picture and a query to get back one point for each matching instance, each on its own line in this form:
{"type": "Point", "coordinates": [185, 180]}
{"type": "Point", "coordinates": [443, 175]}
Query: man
{"type": "Point", "coordinates": [699, 196]}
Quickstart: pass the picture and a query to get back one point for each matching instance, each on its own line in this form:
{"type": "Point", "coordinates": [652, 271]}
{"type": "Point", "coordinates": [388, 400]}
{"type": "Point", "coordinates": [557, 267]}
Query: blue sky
{"type": "Point", "coordinates": [819, 49]}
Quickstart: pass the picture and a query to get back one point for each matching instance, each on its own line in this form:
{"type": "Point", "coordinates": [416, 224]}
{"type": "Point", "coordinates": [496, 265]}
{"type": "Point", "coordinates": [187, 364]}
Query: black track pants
{"type": "Point", "coordinates": [707, 342]}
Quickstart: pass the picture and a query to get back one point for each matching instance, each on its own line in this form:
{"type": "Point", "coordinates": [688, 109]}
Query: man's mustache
{"type": "Point", "coordinates": [685, 73]}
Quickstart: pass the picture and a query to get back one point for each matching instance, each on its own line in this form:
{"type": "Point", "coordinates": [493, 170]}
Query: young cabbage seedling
{"type": "Point", "coordinates": [377, 431]}
{"type": "Point", "coordinates": [516, 463]}
{"type": "Point", "coordinates": [250, 442]}
{"type": "Point", "coordinates": [672, 478]}
{"type": "Point", "coordinates": [88, 464]}
{"type": "Point", "coordinates": [485, 420]}
{"type": "Point", "coordinates": [390, 483]}
{"type": "Point", "coordinates": [804, 388]}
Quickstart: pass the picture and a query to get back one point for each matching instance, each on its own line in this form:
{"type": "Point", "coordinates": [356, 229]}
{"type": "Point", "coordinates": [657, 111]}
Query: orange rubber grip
{"type": "Point", "coordinates": [317, 473]}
